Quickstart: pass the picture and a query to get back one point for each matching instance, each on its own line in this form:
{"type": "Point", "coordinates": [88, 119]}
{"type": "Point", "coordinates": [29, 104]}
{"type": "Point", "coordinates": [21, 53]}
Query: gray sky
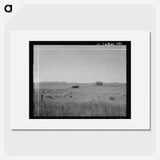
{"type": "Point", "coordinates": [82, 64]}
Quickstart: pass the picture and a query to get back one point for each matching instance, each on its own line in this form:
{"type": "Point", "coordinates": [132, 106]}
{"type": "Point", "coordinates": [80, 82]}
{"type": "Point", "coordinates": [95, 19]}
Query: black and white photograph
{"type": "Point", "coordinates": [80, 79]}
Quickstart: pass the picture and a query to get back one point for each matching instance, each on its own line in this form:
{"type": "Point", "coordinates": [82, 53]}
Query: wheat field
{"type": "Point", "coordinates": [87, 100]}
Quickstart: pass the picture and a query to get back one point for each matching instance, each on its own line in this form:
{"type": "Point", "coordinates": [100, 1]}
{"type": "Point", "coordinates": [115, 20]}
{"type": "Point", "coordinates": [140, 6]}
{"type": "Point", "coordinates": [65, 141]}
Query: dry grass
{"type": "Point", "coordinates": [67, 108]}
{"type": "Point", "coordinates": [86, 100]}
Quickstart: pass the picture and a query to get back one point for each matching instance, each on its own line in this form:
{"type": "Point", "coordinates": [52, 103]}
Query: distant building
{"type": "Point", "coordinates": [99, 83]}
{"type": "Point", "coordinates": [75, 86]}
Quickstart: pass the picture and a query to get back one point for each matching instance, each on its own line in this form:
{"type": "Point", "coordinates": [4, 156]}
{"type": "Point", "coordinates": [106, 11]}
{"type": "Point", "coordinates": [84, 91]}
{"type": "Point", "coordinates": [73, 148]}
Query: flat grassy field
{"type": "Point", "coordinates": [62, 100]}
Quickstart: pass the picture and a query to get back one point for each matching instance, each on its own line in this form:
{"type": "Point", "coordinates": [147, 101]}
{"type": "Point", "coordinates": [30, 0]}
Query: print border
{"type": "Point", "coordinates": [128, 76]}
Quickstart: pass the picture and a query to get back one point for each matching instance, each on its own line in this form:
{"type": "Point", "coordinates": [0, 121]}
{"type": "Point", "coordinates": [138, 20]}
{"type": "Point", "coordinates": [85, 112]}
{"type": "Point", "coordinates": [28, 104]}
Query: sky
{"type": "Point", "coordinates": [81, 64]}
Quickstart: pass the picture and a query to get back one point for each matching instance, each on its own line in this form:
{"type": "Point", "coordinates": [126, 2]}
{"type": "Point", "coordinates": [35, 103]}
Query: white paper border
{"type": "Point", "coordinates": [140, 80]}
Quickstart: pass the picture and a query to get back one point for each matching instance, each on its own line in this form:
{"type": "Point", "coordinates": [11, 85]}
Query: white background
{"type": "Point", "coordinates": [87, 145]}
{"type": "Point", "coordinates": [140, 80]}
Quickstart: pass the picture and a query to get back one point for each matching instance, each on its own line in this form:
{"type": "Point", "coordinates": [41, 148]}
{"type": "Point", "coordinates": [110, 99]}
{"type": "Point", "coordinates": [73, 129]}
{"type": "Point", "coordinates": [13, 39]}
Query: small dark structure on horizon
{"type": "Point", "coordinates": [75, 86]}
{"type": "Point", "coordinates": [99, 83]}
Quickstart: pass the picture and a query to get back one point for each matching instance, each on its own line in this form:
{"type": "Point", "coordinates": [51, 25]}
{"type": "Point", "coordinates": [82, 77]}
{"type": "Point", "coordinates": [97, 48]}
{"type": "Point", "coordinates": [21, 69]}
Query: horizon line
{"type": "Point", "coordinates": [74, 82]}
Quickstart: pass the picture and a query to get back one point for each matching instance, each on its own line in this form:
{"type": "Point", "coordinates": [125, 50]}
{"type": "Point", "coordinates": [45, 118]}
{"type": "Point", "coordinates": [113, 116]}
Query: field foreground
{"type": "Point", "coordinates": [88, 100]}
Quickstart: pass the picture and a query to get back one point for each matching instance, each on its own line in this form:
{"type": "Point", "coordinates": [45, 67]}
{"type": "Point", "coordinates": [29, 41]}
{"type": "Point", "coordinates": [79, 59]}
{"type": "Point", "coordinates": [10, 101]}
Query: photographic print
{"type": "Point", "coordinates": [80, 79]}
